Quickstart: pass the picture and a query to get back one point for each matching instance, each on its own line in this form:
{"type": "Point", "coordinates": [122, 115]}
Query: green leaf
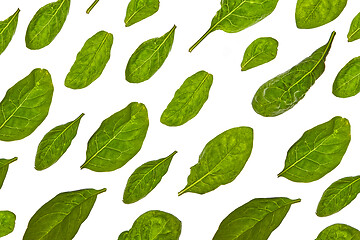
{"type": "Point", "coordinates": [283, 92]}
{"type": "Point", "coordinates": [62, 216]}
{"type": "Point", "coordinates": [154, 225]}
{"type": "Point", "coordinates": [26, 105]}
{"type": "Point", "coordinates": [256, 219]}
{"type": "Point", "coordinates": [354, 31]}
{"type": "Point", "coordinates": [340, 194]}
{"type": "Point", "coordinates": [149, 57]}
{"type": "Point", "coordinates": [318, 151]}
{"type": "Point", "coordinates": [315, 13]}
{"type": "Point", "coordinates": [237, 15]}
{"type": "Point", "coordinates": [46, 24]}
{"type": "Point", "coordinates": [221, 161]}
{"type": "Point", "coordinates": [138, 10]}
{"type": "Point", "coordinates": [90, 61]}
{"type": "Point", "coordinates": [7, 223]}
{"type": "Point", "coordinates": [339, 231]}
{"type": "Point", "coordinates": [145, 178]}
{"type": "Point", "coordinates": [4, 167]}
{"type": "Point", "coordinates": [55, 143]}
{"type": "Point", "coordinates": [347, 82]}
{"type": "Point", "coordinates": [7, 30]}
{"type": "Point", "coordinates": [118, 139]}
{"type": "Point", "coordinates": [260, 51]}
{"type": "Point", "coordinates": [188, 99]}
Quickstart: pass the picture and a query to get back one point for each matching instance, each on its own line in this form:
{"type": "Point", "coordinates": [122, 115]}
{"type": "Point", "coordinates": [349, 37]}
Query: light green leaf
{"type": "Point", "coordinates": [4, 167]}
{"type": "Point", "coordinates": [7, 30]}
{"type": "Point", "coordinates": [347, 82]}
{"type": "Point", "coordinates": [188, 99]}
{"type": "Point", "coordinates": [354, 31]}
{"type": "Point", "coordinates": [138, 10]}
{"type": "Point", "coordinates": [339, 232]}
{"type": "Point", "coordinates": [7, 223]}
{"type": "Point", "coordinates": [25, 105]}
{"type": "Point", "coordinates": [318, 151]}
{"type": "Point", "coordinates": [118, 139]}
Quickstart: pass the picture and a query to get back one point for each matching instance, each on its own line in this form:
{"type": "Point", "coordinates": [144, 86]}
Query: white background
{"type": "Point", "coordinates": [25, 190]}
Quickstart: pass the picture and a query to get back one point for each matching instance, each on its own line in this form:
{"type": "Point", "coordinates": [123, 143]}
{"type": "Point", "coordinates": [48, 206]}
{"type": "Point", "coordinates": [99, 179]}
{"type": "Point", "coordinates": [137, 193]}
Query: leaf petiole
{"type": "Point", "coordinates": [92, 6]}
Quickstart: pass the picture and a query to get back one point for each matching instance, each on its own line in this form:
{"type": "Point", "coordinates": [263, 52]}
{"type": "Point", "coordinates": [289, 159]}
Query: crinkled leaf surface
{"type": "Point", "coordinates": [25, 105]}
{"type": "Point", "coordinates": [318, 151]}
{"type": "Point", "coordinates": [149, 57]}
{"type": "Point", "coordinates": [7, 30]}
{"type": "Point", "coordinates": [256, 219]}
{"type": "Point", "coordinates": [55, 143]}
{"type": "Point", "coordinates": [339, 232]}
{"type": "Point", "coordinates": [347, 82]}
{"type": "Point", "coordinates": [4, 167]}
{"type": "Point", "coordinates": [354, 31]}
{"type": "Point", "coordinates": [283, 92]}
{"type": "Point", "coordinates": [138, 10]}
{"type": "Point", "coordinates": [118, 139]}
{"type": "Point", "coordinates": [221, 161]}
{"type": "Point", "coordinates": [123, 235]}
{"type": "Point", "coordinates": [62, 216]}
{"type": "Point", "coordinates": [90, 61]}
{"type": "Point", "coordinates": [7, 223]}
{"type": "Point", "coordinates": [188, 99]}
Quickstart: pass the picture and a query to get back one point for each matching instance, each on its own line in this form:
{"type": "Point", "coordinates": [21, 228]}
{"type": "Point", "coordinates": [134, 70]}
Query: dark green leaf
{"type": "Point", "coordinates": [7, 30]}
{"type": "Point", "coordinates": [221, 161]}
{"type": "Point", "coordinates": [62, 216]}
{"type": "Point", "coordinates": [145, 178]}
{"type": "Point", "coordinates": [149, 57]}
{"type": "Point", "coordinates": [90, 61]}
{"type": "Point", "coordinates": [256, 219]}
{"type": "Point", "coordinates": [55, 143]}
{"type": "Point", "coordinates": [188, 99]}
{"type": "Point", "coordinates": [339, 232]}
{"type": "Point", "coordinates": [260, 51]}
{"type": "Point", "coordinates": [118, 139]}
{"type": "Point", "coordinates": [347, 82]}
{"type": "Point", "coordinates": [315, 13]}
{"type": "Point", "coordinates": [138, 10]}
{"type": "Point", "coordinates": [25, 105]}
{"type": "Point", "coordinates": [92, 6]}
{"type": "Point", "coordinates": [237, 15]}
{"type": "Point", "coordinates": [4, 167]}
{"type": "Point", "coordinates": [46, 24]}
{"type": "Point", "coordinates": [354, 31]}
{"type": "Point", "coordinates": [283, 92]}
{"type": "Point", "coordinates": [7, 223]}
{"type": "Point", "coordinates": [154, 225]}
{"type": "Point", "coordinates": [318, 151]}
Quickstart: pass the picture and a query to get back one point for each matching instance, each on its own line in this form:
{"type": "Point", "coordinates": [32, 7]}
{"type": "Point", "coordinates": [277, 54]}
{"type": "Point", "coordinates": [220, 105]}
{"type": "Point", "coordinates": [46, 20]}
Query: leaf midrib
{"type": "Point", "coordinates": [11, 20]}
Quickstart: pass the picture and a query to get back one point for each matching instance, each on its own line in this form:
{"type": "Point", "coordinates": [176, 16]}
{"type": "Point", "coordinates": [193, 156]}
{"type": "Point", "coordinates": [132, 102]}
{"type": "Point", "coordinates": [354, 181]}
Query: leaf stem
{"type": "Point", "coordinates": [92, 6]}
{"type": "Point", "coordinates": [201, 39]}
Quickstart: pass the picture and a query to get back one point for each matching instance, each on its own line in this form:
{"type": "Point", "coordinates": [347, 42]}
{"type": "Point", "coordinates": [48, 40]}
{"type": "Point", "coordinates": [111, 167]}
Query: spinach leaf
{"type": "Point", "coordinates": [256, 219]}
{"type": "Point", "coordinates": [154, 225]}
{"type": "Point", "coordinates": [62, 216]}
{"type": "Point", "coordinates": [221, 161]}
{"type": "Point", "coordinates": [260, 51]}
{"type": "Point", "coordinates": [237, 15]}
{"type": "Point", "coordinates": [118, 139]}
{"type": "Point", "coordinates": [318, 151]}
{"type": "Point", "coordinates": [55, 143]}
{"type": "Point", "coordinates": [92, 6]}
{"type": "Point", "coordinates": [340, 194]}
{"type": "Point", "coordinates": [46, 24]}
{"type": "Point", "coordinates": [149, 57]}
{"type": "Point", "coordinates": [188, 99]}
{"type": "Point", "coordinates": [25, 105]}
{"type": "Point", "coordinates": [7, 30]}
{"type": "Point", "coordinates": [347, 82]}
{"type": "Point", "coordinates": [4, 167]}
{"type": "Point", "coordinates": [315, 13]}
{"type": "Point", "coordinates": [283, 92]}
{"type": "Point", "coordinates": [138, 10]}
{"type": "Point", "coordinates": [339, 231]}
{"type": "Point", "coordinates": [354, 31]}
{"type": "Point", "coordinates": [7, 223]}
{"type": "Point", "coordinates": [90, 61]}
{"type": "Point", "coordinates": [145, 178]}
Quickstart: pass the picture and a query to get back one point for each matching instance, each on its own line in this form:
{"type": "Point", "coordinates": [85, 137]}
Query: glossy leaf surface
{"type": "Point", "coordinates": [347, 82]}
{"type": "Point", "coordinates": [4, 167]}
{"type": "Point", "coordinates": [339, 232]}
{"type": "Point", "coordinates": [354, 31]}
{"type": "Point", "coordinates": [138, 10]}
{"type": "Point", "coordinates": [7, 223]}
{"type": "Point", "coordinates": [7, 30]}
{"type": "Point", "coordinates": [188, 99]}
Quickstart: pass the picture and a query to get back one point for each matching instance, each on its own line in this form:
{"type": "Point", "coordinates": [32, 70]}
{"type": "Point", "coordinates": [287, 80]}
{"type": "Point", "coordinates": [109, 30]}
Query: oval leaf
{"type": "Point", "coordinates": [188, 99]}
{"type": "Point", "coordinates": [90, 61]}
{"type": "Point", "coordinates": [318, 151]}
{"type": "Point", "coordinates": [354, 31]}
{"type": "Point", "coordinates": [55, 143]}
{"type": "Point", "coordinates": [26, 105]}
{"type": "Point", "coordinates": [221, 161]}
{"type": "Point", "coordinates": [256, 219]}
{"type": "Point", "coordinates": [149, 57]}
{"type": "Point", "coordinates": [260, 51]}
{"type": "Point", "coordinates": [347, 82]}
{"type": "Point", "coordinates": [339, 231]}
{"type": "Point", "coordinates": [46, 24]}
{"type": "Point", "coordinates": [7, 223]}
{"type": "Point", "coordinates": [118, 139]}
{"type": "Point", "coordinates": [145, 178]}
{"type": "Point", "coordinates": [138, 10]}
{"type": "Point", "coordinates": [283, 92]}
{"type": "Point", "coordinates": [4, 167]}
{"type": "Point", "coordinates": [315, 13]}
{"type": "Point", "coordinates": [62, 216]}
{"type": "Point", "coordinates": [7, 30]}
